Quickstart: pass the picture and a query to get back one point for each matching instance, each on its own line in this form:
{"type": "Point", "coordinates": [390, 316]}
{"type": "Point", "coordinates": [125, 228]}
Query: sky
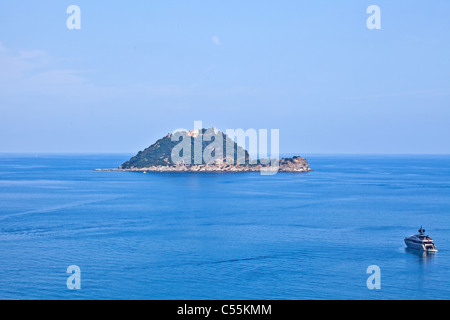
{"type": "Point", "coordinates": [137, 70]}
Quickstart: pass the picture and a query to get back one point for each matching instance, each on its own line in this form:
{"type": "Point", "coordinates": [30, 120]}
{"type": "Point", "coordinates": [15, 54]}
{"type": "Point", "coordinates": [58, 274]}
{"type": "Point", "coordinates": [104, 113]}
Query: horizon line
{"type": "Point", "coordinates": [281, 153]}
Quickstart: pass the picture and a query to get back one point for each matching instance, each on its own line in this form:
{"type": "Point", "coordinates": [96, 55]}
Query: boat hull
{"type": "Point", "coordinates": [419, 246]}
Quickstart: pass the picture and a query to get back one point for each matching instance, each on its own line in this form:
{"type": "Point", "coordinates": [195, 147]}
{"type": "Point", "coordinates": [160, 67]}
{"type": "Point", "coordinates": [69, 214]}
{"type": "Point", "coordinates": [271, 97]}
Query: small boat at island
{"type": "Point", "coordinates": [421, 242]}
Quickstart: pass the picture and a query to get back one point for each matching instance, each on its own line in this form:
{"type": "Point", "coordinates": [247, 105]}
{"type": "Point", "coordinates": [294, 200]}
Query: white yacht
{"type": "Point", "coordinates": [421, 242]}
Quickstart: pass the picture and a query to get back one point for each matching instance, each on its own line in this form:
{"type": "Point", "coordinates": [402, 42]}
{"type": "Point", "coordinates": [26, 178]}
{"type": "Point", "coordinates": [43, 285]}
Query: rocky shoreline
{"type": "Point", "coordinates": [205, 150]}
{"type": "Point", "coordinates": [295, 164]}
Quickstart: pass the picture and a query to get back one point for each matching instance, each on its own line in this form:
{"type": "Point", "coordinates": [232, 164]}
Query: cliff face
{"type": "Point", "coordinates": [158, 157]}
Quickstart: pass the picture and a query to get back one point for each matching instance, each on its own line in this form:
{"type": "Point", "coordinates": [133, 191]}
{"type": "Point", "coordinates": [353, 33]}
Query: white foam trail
{"type": "Point", "coordinates": [54, 208]}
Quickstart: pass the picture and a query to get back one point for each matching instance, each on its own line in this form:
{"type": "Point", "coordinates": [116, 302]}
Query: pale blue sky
{"type": "Point", "coordinates": [139, 69]}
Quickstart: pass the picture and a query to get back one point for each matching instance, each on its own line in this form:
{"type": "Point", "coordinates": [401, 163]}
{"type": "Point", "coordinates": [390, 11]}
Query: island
{"type": "Point", "coordinates": [225, 155]}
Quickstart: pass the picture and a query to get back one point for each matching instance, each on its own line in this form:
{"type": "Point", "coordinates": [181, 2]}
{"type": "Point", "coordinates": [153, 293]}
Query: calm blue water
{"type": "Point", "coordinates": [223, 236]}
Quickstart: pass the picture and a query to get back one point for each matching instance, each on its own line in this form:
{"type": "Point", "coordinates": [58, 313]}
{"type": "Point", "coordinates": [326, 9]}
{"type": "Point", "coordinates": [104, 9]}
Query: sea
{"type": "Point", "coordinates": [291, 236]}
